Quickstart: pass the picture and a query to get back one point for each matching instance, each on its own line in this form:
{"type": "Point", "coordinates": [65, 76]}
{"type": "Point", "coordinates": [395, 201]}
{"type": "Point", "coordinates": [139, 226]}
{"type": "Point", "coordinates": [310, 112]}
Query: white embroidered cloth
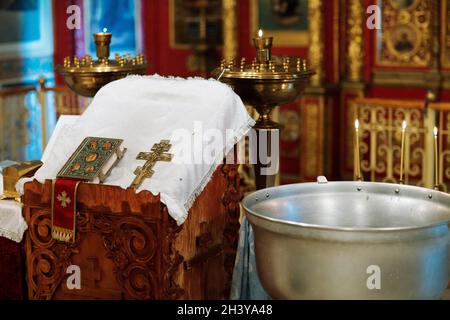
{"type": "Point", "coordinates": [63, 121]}
{"type": "Point", "coordinates": [143, 111]}
{"type": "Point", "coordinates": [12, 224]}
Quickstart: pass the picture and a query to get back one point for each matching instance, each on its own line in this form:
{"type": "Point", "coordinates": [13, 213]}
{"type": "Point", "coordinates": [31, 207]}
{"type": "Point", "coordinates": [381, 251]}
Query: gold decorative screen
{"type": "Point", "coordinates": [381, 134]}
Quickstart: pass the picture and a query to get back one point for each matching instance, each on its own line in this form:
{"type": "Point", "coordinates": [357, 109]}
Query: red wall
{"type": "Point", "coordinates": [163, 59]}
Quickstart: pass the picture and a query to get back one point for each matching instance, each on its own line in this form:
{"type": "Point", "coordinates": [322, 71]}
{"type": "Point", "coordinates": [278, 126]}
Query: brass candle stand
{"type": "Point", "coordinates": [86, 76]}
{"type": "Point", "coordinates": [265, 84]}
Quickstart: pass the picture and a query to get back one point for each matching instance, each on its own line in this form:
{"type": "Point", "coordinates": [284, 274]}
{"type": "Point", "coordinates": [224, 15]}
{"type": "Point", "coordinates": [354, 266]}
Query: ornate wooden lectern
{"type": "Point", "coordinates": [128, 247]}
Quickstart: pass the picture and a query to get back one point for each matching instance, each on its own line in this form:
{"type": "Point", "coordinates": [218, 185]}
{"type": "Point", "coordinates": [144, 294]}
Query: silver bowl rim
{"type": "Point", "coordinates": [247, 199]}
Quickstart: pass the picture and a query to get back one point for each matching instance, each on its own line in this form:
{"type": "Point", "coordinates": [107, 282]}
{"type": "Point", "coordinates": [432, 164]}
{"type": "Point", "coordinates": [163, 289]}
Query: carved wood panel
{"type": "Point", "coordinates": [231, 200]}
{"type": "Point", "coordinates": [128, 247]}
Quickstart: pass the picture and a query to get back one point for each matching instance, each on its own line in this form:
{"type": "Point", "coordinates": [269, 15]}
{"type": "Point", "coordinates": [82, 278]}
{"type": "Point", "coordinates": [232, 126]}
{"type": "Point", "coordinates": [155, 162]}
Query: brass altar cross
{"type": "Point", "coordinates": [158, 153]}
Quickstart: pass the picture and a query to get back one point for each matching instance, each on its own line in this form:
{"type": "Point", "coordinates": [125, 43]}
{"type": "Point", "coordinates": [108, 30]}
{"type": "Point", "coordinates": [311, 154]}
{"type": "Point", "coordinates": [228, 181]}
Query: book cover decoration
{"type": "Point", "coordinates": [93, 161]}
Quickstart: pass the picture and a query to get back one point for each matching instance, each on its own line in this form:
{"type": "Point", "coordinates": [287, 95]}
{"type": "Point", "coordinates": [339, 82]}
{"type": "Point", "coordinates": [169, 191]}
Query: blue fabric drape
{"type": "Point", "coordinates": [246, 284]}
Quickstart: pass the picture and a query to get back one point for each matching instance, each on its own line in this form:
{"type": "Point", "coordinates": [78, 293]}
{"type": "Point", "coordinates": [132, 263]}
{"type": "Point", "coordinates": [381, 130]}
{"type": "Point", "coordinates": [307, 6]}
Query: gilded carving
{"type": "Point", "coordinates": [445, 33]}
{"type": "Point", "coordinates": [230, 43]}
{"type": "Point", "coordinates": [312, 113]}
{"type": "Point", "coordinates": [381, 138]}
{"type": "Point", "coordinates": [444, 149]}
{"type": "Point", "coordinates": [406, 35]}
{"type": "Point", "coordinates": [355, 48]}
{"type": "Point", "coordinates": [312, 165]}
{"type": "Point", "coordinates": [316, 46]}
{"type": "Point", "coordinates": [380, 134]}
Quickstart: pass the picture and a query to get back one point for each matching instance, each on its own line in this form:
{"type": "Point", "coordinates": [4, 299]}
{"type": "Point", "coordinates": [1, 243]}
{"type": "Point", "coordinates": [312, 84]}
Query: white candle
{"type": "Point", "coordinates": [402, 155]}
{"type": "Point", "coordinates": [357, 164]}
{"type": "Point", "coordinates": [260, 33]}
{"type": "Point", "coordinates": [436, 159]}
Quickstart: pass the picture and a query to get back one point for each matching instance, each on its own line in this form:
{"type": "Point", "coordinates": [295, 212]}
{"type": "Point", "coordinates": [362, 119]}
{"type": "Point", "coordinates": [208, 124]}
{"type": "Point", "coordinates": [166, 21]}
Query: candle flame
{"type": "Point", "coordinates": [404, 125]}
{"type": "Point", "coordinates": [435, 132]}
{"type": "Point", "coordinates": [357, 124]}
{"type": "Point", "coordinates": [105, 30]}
{"type": "Point", "coordinates": [260, 33]}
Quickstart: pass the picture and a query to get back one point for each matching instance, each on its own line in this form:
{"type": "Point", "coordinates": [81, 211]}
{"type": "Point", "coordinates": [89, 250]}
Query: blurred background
{"type": "Point", "coordinates": [379, 67]}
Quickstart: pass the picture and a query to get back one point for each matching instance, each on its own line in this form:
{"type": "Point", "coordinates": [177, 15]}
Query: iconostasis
{"type": "Point", "coordinates": [397, 51]}
{"type": "Point", "coordinates": [392, 55]}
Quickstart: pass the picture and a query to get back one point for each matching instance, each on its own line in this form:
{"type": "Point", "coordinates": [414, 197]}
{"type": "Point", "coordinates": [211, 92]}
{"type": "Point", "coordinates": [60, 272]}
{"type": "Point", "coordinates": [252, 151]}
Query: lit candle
{"type": "Point", "coordinates": [102, 42]}
{"type": "Point", "coordinates": [402, 151]}
{"type": "Point", "coordinates": [263, 45]}
{"type": "Point", "coordinates": [436, 159]}
{"type": "Point", "coordinates": [357, 159]}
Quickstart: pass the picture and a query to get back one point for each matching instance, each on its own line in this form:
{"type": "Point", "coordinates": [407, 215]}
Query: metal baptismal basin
{"type": "Point", "coordinates": [351, 240]}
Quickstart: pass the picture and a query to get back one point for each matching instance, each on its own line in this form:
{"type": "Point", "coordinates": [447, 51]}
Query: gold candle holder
{"type": "Point", "coordinates": [264, 84]}
{"type": "Point", "coordinates": [402, 151]}
{"type": "Point", "coordinates": [436, 160]}
{"type": "Point", "coordinates": [357, 156]}
{"type": "Point", "coordinates": [87, 77]}
{"type": "Point", "coordinates": [102, 42]}
{"type": "Point", "coordinates": [263, 45]}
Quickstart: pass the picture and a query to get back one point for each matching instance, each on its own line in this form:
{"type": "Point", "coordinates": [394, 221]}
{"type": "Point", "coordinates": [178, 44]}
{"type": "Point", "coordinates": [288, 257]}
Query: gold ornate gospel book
{"type": "Point", "coordinates": [93, 160]}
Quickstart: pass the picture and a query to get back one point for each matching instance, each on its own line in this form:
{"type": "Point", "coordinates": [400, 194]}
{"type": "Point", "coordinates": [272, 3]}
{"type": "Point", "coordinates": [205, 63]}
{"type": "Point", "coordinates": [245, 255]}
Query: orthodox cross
{"type": "Point", "coordinates": [158, 153]}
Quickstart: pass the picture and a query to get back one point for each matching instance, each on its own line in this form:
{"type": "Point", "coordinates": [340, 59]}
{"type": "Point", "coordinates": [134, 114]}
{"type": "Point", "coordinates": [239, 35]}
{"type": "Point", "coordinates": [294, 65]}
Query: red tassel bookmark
{"type": "Point", "coordinates": [64, 209]}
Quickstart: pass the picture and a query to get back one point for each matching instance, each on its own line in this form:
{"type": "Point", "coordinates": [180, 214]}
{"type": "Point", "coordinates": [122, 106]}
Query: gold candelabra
{"type": "Point", "coordinates": [86, 76]}
{"type": "Point", "coordinates": [264, 84]}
